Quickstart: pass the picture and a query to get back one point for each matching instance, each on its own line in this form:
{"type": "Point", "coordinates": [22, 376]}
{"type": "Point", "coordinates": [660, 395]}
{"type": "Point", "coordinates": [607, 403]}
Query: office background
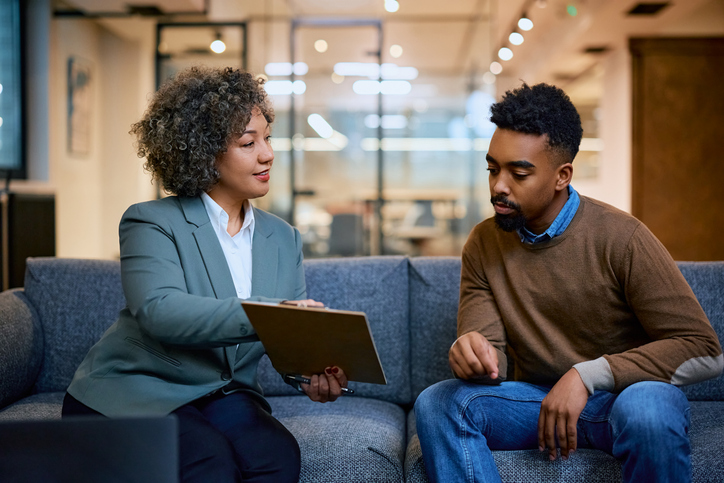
{"type": "Point", "coordinates": [381, 127]}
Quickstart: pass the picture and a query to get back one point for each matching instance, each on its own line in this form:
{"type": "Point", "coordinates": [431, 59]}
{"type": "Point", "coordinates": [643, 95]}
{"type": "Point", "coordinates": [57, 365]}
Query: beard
{"type": "Point", "coordinates": [512, 222]}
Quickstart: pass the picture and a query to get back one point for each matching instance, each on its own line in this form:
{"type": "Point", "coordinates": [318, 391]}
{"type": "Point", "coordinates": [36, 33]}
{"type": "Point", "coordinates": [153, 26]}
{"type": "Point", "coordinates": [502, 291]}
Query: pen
{"type": "Point", "coordinates": [306, 380]}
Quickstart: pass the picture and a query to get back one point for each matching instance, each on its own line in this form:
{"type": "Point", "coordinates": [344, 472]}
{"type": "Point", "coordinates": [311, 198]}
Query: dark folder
{"type": "Point", "coordinates": [304, 341]}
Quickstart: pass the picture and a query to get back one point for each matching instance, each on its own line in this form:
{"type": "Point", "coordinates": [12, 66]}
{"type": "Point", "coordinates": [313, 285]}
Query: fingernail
{"type": "Point", "coordinates": [564, 458]}
{"type": "Point", "coordinates": [328, 370]}
{"type": "Point", "coordinates": [335, 370]}
{"type": "Point", "coordinates": [551, 457]}
{"type": "Point", "coordinates": [541, 449]}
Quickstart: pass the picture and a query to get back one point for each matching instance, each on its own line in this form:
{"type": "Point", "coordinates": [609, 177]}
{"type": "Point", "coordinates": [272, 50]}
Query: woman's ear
{"type": "Point", "coordinates": [564, 175]}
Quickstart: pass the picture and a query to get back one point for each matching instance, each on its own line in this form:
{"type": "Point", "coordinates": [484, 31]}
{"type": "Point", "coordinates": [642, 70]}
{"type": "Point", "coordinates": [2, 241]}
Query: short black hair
{"type": "Point", "coordinates": [541, 109]}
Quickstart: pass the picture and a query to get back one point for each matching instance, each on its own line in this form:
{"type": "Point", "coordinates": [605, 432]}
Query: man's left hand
{"type": "Point", "coordinates": [559, 414]}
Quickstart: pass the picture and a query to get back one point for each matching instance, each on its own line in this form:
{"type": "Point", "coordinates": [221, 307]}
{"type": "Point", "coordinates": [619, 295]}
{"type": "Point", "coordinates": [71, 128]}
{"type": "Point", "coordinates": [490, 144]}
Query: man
{"type": "Point", "coordinates": [584, 301]}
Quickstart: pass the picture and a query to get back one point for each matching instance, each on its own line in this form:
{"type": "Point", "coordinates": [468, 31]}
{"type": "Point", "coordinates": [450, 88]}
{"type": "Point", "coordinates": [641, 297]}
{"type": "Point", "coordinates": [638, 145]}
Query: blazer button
{"type": "Point", "coordinates": [225, 376]}
{"type": "Point", "coordinates": [243, 330]}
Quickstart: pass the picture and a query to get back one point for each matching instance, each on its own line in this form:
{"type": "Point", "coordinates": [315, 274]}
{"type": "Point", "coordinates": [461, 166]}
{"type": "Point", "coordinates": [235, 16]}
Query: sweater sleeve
{"type": "Point", "coordinates": [478, 310]}
{"type": "Point", "coordinates": [684, 348]}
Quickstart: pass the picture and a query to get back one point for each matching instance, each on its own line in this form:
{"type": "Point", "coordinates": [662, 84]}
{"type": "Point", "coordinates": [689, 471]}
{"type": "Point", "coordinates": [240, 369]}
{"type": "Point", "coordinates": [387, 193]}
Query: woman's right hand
{"type": "Point", "coordinates": [326, 387]}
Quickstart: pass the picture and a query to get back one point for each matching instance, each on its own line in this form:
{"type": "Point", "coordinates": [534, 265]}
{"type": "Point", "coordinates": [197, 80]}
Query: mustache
{"type": "Point", "coordinates": [505, 201]}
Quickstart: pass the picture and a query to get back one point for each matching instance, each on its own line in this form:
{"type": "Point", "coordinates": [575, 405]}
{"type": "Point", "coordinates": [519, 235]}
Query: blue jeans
{"type": "Point", "coordinates": [645, 427]}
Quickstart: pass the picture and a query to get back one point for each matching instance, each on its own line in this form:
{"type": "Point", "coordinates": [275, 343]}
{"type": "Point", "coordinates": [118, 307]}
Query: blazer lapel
{"type": "Point", "coordinates": [264, 257]}
{"type": "Point", "coordinates": [213, 256]}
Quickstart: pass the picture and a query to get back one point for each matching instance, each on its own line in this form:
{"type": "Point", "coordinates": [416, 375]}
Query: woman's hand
{"type": "Point", "coordinates": [326, 387]}
{"type": "Point", "coordinates": [303, 303]}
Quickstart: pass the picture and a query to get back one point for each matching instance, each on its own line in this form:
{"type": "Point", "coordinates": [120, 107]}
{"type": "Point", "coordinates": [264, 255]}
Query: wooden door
{"type": "Point", "coordinates": [678, 143]}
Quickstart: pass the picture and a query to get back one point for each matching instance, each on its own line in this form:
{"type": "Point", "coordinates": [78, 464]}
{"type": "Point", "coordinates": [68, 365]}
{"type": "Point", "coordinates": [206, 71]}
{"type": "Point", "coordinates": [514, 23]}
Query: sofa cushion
{"type": "Point", "coordinates": [377, 286]}
{"type": "Point", "coordinates": [707, 440]}
{"type": "Point", "coordinates": [47, 405]}
{"type": "Point", "coordinates": [353, 439]}
{"type": "Point", "coordinates": [434, 292]}
{"type": "Point", "coordinates": [76, 300]}
{"type": "Point", "coordinates": [706, 279]}
{"type": "Point", "coordinates": [21, 346]}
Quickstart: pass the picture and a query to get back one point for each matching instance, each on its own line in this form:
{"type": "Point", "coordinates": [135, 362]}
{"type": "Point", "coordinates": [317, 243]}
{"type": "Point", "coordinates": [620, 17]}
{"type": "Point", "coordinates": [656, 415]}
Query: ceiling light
{"type": "Point", "coordinates": [393, 71]}
{"type": "Point", "coordinates": [285, 87]}
{"type": "Point", "coordinates": [496, 68]}
{"type": "Point", "coordinates": [516, 38]}
{"type": "Point", "coordinates": [320, 125]}
{"type": "Point", "coordinates": [489, 78]}
{"type": "Point", "coordinates": [320, 46]}
{"type": "Point", "coordinates": [336, 78]}
{"type": "Point", "coordinates": [389, 121]}
{"type": "Point", "coordinates": [505, 53]}
{"type": "Point", "coordinates": [388, 87]}
{"type": "Point", "coordinates": [217, 45]}
{"type": "Point", "coordinates": [285, 68]}
{"type": "Point", "coordinates": [361, 69]}
{"type": "Point", "coordinates": [299, 87]}
{"type": "Point", "coordinates": [392, 5]}
{"type": "Point", "coordinates": [396, 51]}
{"type": "Point", "coordinates": [395, 87]}
{"type": "Point", "coordinates": [366, 87]}
{"type": "Point", "coordinates": [525, 23]}
{"type": "Point", "coordinates": [300, 68]}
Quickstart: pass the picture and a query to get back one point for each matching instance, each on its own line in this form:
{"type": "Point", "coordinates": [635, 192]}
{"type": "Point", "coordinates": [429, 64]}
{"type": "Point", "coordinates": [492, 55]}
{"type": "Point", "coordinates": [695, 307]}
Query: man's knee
{"type": "Point", "coordinates": [436, 400]}
{"type": "Point", "coordinates": [651, 410]}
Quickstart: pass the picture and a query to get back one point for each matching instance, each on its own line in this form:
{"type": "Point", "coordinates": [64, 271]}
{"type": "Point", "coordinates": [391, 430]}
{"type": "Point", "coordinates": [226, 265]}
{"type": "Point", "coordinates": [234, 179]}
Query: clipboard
{"type": "Point", "coordinates": [306, 340]}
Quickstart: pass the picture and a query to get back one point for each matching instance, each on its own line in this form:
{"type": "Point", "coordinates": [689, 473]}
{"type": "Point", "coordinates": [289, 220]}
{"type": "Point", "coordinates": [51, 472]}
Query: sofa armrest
{"type": "Point", "coordinates": [21, 346]}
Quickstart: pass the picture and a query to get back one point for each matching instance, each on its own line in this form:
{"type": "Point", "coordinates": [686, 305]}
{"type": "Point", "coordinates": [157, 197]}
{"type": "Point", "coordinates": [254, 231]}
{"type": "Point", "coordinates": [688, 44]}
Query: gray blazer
{"type": "Point", "coordinates": [175, 340]}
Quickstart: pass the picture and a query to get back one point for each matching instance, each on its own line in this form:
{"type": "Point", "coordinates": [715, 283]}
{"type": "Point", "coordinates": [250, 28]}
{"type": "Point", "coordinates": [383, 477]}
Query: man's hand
{"type": "Point", "coordinates": [473, 356]}
{"type": "Point", "coordinates": [559, 414]}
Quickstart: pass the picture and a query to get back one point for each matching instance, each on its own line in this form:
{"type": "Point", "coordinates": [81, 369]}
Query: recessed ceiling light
{"type": "Point", "coordinates": [525, 23]}
{"type": "Point", "coordinates": [505, 53]}
{"type": "Point", "coordinates": [648, 8]}
{"type": "Point", "coordinates": [516, 38]}
{"type": "Point", "coordinates": [321, 46]}
{"type": "Point", "coordinates": [396, 51]}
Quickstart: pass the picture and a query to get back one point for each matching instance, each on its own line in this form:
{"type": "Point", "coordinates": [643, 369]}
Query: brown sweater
{"type": "Point", "coordinates": [605, 295]}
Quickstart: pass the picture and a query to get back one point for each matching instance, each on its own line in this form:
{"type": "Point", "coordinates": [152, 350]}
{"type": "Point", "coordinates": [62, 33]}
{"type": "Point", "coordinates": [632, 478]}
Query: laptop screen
{"type": "Point", "coordinates": [90, 450]}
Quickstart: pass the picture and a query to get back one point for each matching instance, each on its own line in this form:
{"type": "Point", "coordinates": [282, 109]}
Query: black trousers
{"type": "Point", "coordinates": [227, 438]}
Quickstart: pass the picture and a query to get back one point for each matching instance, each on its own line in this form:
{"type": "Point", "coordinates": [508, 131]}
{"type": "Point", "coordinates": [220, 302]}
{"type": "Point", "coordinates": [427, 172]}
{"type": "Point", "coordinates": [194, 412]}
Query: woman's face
{"type": "Point", "coordinates": [247, 162]}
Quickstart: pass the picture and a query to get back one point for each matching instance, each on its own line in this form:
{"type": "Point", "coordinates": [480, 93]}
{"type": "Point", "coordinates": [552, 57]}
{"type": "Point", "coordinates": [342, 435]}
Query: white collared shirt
{"type": "Point", "coordinates": [237, 249]}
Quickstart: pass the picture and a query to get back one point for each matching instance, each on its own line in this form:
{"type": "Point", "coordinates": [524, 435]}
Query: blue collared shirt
{"type": "Point", "coordinates": [559, 225]}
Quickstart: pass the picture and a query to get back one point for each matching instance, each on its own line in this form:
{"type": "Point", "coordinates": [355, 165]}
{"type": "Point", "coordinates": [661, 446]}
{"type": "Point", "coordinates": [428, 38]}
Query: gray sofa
{"type": "Point", "coordinates": [47, 327]}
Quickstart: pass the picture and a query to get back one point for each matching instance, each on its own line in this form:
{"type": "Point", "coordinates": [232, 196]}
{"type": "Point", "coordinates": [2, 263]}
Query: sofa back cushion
{"type": "Point", "coordinates": [21, 346]}
{"type": "Point", "coordinates": [706, 279]}
{"type": "Point", "coordinates": [434, 295]}
{"type": "Point", "coordinates": [377, 286]}
{"type": "Point", "coordinates": [76, 301]}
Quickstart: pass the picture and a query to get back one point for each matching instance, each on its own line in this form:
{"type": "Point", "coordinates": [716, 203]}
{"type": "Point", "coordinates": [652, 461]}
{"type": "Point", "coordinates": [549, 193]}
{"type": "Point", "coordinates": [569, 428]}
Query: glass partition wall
{"type": "Point", "coordinates": [372, 155]}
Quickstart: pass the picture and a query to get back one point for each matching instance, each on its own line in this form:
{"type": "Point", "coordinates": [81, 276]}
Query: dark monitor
{"type": "Point", "coordinates": [90, 450]}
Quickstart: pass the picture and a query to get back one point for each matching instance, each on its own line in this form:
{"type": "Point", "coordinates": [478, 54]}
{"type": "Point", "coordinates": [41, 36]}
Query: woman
{"type": "Point", "coordinates": [183, 345]}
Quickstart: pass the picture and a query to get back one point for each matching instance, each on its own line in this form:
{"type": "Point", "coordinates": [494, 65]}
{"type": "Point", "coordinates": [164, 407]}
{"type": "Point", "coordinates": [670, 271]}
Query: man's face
{"type": "Point", "coordinates": [524, 181]}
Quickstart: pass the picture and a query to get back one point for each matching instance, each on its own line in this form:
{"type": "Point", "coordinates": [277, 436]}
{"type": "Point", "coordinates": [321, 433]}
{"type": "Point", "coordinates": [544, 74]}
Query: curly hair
{"type": "Point", "coordinates": [189, 123]}
{"type": "Point", "coordinates": [541, 109]}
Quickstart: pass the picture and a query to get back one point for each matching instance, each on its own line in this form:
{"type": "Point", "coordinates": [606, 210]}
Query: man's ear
{"type": "Point", "coordinates": [563, 176]}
